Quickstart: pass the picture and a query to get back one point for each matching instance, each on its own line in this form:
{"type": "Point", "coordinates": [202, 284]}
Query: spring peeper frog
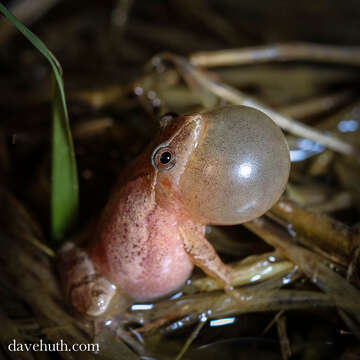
{"type": "Point", "coordinates": [223, 167]}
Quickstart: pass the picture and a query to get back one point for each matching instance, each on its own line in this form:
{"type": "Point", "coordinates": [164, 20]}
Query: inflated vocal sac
{"type": "Point", "coordinates": [238, 169]}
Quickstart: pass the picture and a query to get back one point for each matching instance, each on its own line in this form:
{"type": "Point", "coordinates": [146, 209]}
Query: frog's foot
{"type": "Point", "coordinates": [86, 289]}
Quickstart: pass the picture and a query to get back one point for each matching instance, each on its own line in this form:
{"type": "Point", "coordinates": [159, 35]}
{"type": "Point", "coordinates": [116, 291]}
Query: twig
{"type": "Point", "coordinates": [249, 271]}
{"type": "Point", "coordinates": [284, 339]}
{"type": "Point", "coordinates": [279, 52]}
{"type": "Point", "coordinates": [316, 105]}
{"type": "Point", "coordinates": [192, 337]}
{"type": "Point", "coordinates": [234, 96]}
{"type": "Point", "coordinates": [273, 321]}
{"type": "Point", "coordinates": [325, 232]}
{"type": "Point", "coordinates": [188, 308]}
{"type": "Point", "coordinates": [313, 266]}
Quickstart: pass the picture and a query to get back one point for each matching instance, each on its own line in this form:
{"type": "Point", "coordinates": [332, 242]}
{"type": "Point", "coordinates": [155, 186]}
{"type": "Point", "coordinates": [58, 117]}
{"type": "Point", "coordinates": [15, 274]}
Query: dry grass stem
{"type": "Point", "coordinates": [278, 52]}
{"type": "Point", "coordinates": [193, 76]}
{"type": "Point", "coordinates": [250, 270]}
{"type": "Point", "coordinates": [325, 232]}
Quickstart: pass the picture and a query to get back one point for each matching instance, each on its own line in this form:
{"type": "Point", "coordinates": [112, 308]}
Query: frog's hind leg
{"type": "Point", "coordinates": [85, 288]}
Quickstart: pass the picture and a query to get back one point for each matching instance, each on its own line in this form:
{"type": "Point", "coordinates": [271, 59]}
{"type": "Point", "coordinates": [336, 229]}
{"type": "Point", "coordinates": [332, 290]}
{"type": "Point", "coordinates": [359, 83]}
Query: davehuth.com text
{"type": "Point", "coordinates": [15, 346]}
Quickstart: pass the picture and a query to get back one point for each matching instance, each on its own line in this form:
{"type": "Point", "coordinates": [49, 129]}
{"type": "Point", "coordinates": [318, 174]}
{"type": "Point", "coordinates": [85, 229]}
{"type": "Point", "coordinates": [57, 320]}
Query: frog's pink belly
{"type": "Point", "coordinates": [163, 270]}
{"type": "Point", "coordinates": [145, 257]}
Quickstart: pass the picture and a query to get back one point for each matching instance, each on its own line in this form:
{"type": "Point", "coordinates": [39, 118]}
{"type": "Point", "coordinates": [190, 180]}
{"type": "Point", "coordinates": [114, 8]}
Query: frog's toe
{"type": "Point", "coordinates": [86, 289]}
{"type": "Point", "coordinates": [93, 295]}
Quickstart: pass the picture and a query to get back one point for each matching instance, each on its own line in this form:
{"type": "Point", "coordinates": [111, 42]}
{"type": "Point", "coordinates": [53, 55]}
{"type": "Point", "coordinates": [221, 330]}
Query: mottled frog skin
{"type": "Point", "coordinates": [224, 166]}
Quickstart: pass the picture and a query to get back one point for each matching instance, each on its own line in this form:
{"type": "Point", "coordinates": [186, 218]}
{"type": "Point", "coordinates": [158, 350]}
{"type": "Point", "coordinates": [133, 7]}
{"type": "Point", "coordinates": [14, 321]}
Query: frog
{"type": "Point", "coordinates": [223, 166]}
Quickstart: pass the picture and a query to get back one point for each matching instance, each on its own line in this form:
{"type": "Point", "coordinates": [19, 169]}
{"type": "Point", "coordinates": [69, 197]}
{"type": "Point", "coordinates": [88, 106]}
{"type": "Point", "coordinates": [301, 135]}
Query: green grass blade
{"type": "Point", "coordinates": [64, 187]}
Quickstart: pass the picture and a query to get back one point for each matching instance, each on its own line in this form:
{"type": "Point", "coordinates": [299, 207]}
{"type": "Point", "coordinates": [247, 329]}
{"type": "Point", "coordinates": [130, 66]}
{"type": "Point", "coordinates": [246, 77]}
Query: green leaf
{"type": "Point", "coordinates": [64, 186]}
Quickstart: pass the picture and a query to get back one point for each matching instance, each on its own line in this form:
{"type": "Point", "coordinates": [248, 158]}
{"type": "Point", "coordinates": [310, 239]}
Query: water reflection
{"type": "Point", "coordinates": [305, 149]}
{"type": "Point", "coordinates": [348, 125]}
{"type": "Point", "coordinates": [142, 307]}
{"type": "Point", "coordinates": [223, 321]}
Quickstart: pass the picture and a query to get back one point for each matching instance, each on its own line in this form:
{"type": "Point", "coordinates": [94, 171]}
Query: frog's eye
{"type": "Point", "coordinates": [163, 158]}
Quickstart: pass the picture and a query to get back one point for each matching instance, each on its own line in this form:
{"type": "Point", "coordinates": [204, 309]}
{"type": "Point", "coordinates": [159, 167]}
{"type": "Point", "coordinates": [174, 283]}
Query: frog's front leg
{"type": "Point", "coordinates": [86, 289]}
{"type": "Point", "coordinates": [203, 255]}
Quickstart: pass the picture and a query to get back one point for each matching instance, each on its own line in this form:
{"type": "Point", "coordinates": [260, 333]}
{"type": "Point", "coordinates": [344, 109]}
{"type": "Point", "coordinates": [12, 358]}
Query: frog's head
{"type": "Point", "coordinates": [224, 166]}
